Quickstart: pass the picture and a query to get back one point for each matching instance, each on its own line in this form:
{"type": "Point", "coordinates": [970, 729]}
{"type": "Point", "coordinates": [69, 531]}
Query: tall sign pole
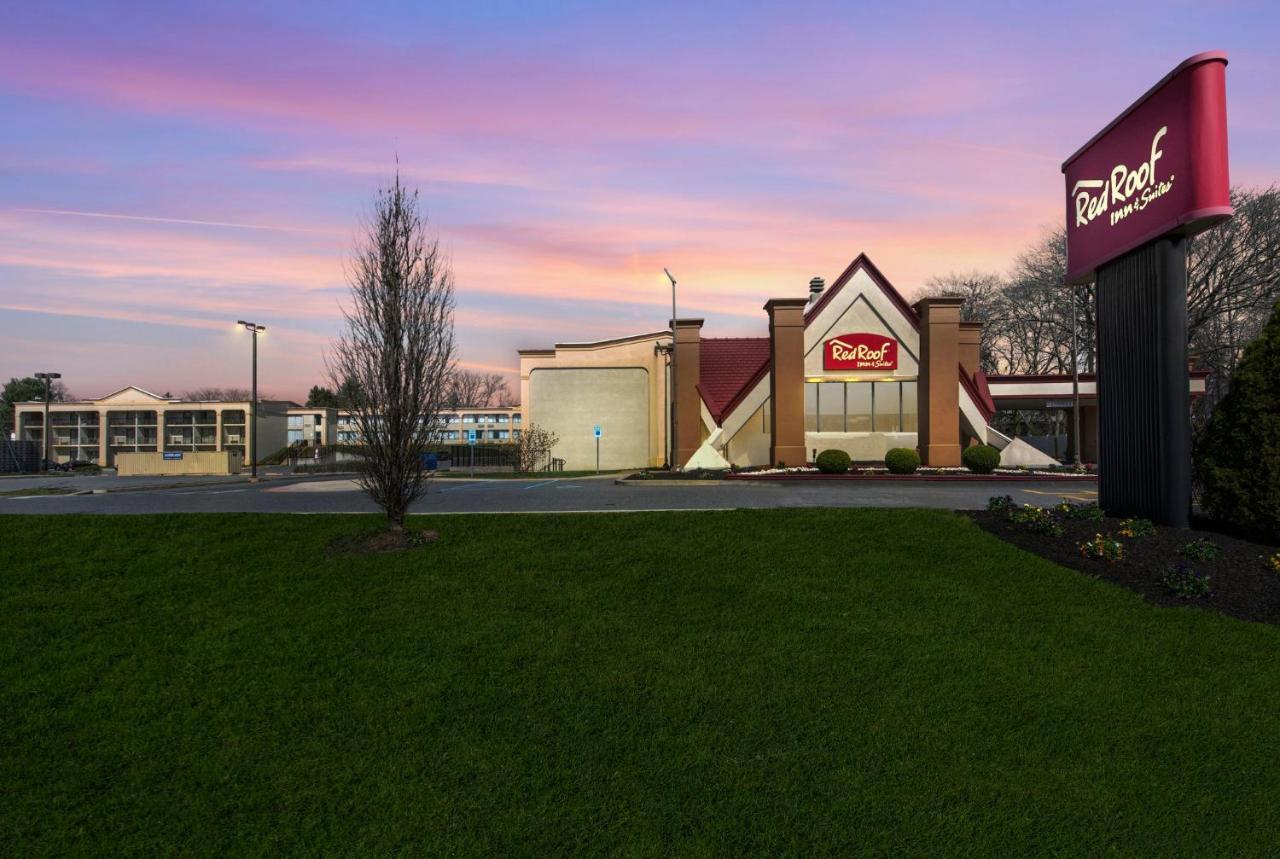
{"type": "Point", "coordinates": [671, 385]}
{"type": "Point", "coordinates": [1154, 176]}
{"type": "Point", "coordinates": [48, 378]}
{"type": "Point", "coordinates": [253, 328]}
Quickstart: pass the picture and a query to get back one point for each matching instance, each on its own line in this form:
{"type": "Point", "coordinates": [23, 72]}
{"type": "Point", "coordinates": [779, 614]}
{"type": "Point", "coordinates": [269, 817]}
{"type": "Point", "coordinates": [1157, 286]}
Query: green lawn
{"type": "Point", "coordinates": [804, 681]}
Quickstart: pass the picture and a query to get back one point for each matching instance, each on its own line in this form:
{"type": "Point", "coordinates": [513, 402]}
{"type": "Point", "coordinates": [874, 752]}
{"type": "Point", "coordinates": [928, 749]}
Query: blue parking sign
{"type": "Point", "coordinates": [471, 436]}
{"type": "Point", "coordinates": [598, 433]}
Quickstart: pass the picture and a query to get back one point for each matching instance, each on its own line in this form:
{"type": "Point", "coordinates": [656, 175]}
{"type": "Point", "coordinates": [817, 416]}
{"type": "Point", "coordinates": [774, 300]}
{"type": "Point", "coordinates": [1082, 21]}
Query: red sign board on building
{"type": "Point", "coordinates": [860, 352]}
{"type": "Point", "coordinates": [1159, 168]}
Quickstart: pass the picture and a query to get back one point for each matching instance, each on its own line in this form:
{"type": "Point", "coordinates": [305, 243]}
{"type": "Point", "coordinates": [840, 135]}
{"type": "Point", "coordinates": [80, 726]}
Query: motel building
{"type": "Point", "coordinates": [134, 420]}
{"type": "Point", "coordinates": [852, 367]}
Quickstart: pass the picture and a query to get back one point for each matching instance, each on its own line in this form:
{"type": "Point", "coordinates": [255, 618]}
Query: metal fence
{"type": "Point", "coordinates": [19, 457]}
{"type": "Point", "coordinates": [456, 457]}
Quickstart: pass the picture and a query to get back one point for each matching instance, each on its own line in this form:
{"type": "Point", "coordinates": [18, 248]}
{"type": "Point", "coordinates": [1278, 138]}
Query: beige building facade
{"type": "Point", "coordinates": [133, 420]}
{"type": "Point", "coordinates": [853, 367]}
{"type": "Point", "coordinates": [619, 385]}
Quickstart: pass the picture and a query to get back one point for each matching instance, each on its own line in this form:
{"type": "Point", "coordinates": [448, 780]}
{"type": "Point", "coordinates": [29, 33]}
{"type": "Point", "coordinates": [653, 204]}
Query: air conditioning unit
{"type": "Point", "coordinates": [233, 439]}
{"type": "Point", "coordinates": [176, 439]}
{"type": "Point", "coordinates": [121, 439]}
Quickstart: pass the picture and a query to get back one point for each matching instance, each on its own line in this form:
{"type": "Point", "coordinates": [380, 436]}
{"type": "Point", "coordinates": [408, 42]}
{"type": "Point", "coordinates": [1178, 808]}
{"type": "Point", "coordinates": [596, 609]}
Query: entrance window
{"type": "Point", "coordinates": [831, 407]}
{"type": "Point", "coordinates": [910, 408]}
{"type": "Point", "coordinates": [888, 402]}
{"type": "Point", "coordinates": [811, 407]}
{"type": "Point", "coordinates": [860, 407]}
{"type": "Point", "coordinates": [859, 399]}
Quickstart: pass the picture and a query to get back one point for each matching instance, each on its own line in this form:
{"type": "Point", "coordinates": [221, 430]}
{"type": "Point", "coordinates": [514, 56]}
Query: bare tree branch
{"type": "Point", "coordinates": [395, 359]}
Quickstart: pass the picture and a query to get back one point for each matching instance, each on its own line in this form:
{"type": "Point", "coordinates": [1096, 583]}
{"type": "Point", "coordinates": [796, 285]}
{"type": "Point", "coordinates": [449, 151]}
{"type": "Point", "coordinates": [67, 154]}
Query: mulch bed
{"type": "Point", "coordinates": [927, 476]}
{"type": "Point", "coordinates": [1242, 583]}
{"type": "Point", "coordinates": [381, 542]}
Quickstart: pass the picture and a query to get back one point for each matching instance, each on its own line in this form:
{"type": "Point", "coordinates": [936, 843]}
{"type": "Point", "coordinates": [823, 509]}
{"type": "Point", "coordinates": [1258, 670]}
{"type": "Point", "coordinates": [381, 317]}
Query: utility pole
{"type": "Point", "coordinates": [253, 328]}
{"type": "Point", "coordinates": [671, 388]}
{"type": "Point", "coordinates": [44, 431]}
{"type": "Point", "coordinates": [1075, 383]}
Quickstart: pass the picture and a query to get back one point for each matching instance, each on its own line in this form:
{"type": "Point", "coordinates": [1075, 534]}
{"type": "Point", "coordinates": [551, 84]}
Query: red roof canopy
{"type": "Point", "coordinates": [726, 366]}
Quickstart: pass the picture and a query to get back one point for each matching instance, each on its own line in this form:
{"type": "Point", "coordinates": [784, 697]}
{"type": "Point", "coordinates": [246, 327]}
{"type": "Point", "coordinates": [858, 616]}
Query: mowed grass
{"type": "Point", "coordinates": [792, 681]}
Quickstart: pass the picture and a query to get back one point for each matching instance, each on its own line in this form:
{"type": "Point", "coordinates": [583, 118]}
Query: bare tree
{"type": "Point", "coordinates": [479, 390]}
{"type": "Point", "coordinates": [982, 293]}
{"type": "Point", "coordinates": [395, 359]}
{"type": "Point", "coordinates": [1233, 278]}
{"type": "Point", "coordinates": [222, 395]}
{"type": "Point", "coordinates": [536, 444]}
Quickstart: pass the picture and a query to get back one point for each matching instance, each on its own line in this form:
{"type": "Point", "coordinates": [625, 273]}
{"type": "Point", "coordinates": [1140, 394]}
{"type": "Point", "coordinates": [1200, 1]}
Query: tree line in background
{"type": "Point", "coordinates": [464, 388]}
{"type": "Point", "coordinates": [26, 390]}
{"type": "Point", "coordinates": [1233, 278]}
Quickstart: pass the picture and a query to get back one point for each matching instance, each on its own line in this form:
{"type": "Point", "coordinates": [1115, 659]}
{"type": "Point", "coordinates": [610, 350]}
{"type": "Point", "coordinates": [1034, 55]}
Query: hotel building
{"type": "Point", "coordinates": [854, 367]}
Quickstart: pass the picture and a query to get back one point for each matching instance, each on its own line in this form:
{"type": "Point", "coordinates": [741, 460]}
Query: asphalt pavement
{"type": "Point", "coordinates": [337, 494]}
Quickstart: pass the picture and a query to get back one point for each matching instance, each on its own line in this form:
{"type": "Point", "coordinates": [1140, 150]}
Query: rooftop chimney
{"type": "Point", "coordinates": [816, 286]}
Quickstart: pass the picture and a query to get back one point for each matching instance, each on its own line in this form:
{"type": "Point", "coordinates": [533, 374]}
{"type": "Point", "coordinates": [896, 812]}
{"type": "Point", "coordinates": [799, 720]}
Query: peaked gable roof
{"type": "Point", "coordinates": [862, 262]}
{"type": "Point", "coordinates": [133, 389]}
{"type": "Point", "coordinates": [727, 367]}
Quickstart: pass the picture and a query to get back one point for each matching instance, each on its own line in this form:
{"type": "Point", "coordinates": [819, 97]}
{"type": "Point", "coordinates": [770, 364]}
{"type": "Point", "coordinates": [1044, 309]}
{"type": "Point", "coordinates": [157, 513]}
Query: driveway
{"type": "Point", "coordinates": [590, 494]}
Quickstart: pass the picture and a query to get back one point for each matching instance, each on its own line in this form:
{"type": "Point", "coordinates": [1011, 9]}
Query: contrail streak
{"type": "Point", "coordinates": [149, 219]}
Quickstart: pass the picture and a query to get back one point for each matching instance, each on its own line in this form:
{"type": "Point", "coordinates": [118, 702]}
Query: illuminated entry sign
{"type": "Point", "coordinates": [1157, 169]}
{"type": "Point", "coordinates": [860, 352]}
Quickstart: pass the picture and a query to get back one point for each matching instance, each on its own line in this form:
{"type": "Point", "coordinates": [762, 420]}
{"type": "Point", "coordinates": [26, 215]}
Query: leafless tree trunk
{"type": "Point", "coordinates": [478, 390]}
{"type": "Point", "coordinates": [397, 354]}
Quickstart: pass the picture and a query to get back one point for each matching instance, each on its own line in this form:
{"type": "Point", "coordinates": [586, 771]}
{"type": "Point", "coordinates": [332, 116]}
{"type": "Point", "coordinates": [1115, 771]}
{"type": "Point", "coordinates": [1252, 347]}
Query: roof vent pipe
{"type": "Point", "coordinates": [816, 286]}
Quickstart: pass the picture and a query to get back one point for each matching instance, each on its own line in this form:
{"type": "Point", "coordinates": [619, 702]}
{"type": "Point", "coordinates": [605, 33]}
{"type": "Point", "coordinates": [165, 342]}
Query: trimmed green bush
{"type": "Point", "coordinates": [833, 462]}
{"type": "Point", "coordinates": [902, 460]}
{"type": "Point", "coordinates": [1238, 455]}
{"type": "Point", "coordinates": [980, 459]}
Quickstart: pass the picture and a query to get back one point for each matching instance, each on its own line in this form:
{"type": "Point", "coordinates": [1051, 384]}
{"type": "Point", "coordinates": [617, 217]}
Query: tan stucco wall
{"type": "Point", "coordinates": [750, 444]}
{"type": "Point", "coordinates": [571, 401]}
{"type": "Point", "coordinates": [634, 353]}
{"type": "Point", "coordinates": [861, 446]}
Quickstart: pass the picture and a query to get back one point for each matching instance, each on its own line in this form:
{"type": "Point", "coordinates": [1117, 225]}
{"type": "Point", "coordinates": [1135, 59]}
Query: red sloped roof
{"type": "Point", "coordinates": [727, 367]}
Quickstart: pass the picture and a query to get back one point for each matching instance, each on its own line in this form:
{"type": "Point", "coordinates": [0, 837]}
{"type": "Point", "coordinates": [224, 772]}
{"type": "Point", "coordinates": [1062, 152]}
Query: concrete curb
{"type": "Point", "coordinates": [622, 481]}
{"type": "Point", "coordinates": [919, 478]}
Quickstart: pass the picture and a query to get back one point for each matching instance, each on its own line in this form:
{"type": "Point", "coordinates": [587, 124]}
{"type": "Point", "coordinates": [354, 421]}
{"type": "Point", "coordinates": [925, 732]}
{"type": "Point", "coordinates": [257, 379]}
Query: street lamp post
{"type": "Point", "coordinates": [671, 393]}
{"type": "Point", "coordinates": [253, 328]}
{"type": "Point", "coordinates": [44, 431]}
{"type": "Point", "coordinates": [1075, 383]}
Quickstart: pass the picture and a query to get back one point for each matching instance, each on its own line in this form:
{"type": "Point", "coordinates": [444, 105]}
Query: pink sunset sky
{"type": "Point", "coordinates": [167, 169]}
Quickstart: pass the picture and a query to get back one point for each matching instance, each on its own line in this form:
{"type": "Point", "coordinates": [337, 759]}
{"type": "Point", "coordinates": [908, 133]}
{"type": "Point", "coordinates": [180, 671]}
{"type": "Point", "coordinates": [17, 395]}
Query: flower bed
{"type": "Point", "coordinates": [879, 472]}
{"type": "Point", "coordinates": [1167, 566]}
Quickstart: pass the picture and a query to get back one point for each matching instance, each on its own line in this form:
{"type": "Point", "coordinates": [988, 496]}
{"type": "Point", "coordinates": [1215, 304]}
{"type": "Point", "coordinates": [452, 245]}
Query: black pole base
{"type": "Point", "coordinates": [1144, 417]}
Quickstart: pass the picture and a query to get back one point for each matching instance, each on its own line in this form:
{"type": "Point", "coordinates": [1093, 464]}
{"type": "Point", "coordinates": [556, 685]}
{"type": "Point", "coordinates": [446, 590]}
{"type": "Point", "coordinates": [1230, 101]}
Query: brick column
{"type": "Point", "coordinates": [686, 402]}
{"type": "Point", "coordinates": [939, 382]}
{"type": "Point", "coordinates": [970, 347]}
{"type": "Point", "coordinates": [786, 380]}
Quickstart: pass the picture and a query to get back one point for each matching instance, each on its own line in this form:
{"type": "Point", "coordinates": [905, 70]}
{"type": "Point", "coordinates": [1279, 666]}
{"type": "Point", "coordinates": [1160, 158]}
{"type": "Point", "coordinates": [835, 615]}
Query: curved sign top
{"type": "Point", "coordinates": [1159, 168]}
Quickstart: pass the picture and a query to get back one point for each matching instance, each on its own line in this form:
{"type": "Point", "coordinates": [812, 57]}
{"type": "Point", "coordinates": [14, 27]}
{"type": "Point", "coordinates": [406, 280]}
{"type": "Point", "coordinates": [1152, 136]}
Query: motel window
{"type": "Point", "coordinates": [295, 420]}
{"type": "Point", "coordinates": [831, 406]}
{"type": "Point", "coordinates": [858, 417]}
{"type": "Point", "coordinates": [515, 419]}
{"type": "Point", "coordinates": [860, 407]}
{"type": "Point", "coordinates": [910, 407]}
{"type": "Point", "coordinates": [888, 404]}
